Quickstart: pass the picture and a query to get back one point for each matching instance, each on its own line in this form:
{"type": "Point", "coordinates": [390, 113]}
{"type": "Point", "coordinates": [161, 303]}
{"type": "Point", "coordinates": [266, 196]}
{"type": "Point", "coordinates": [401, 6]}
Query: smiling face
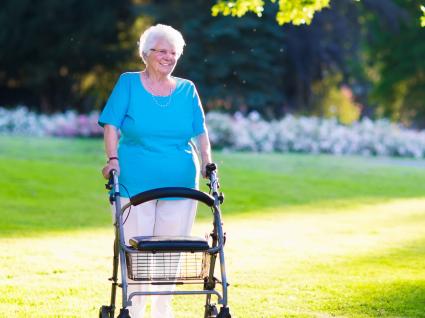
{"type": "Point", "coordinates": [162, 58]}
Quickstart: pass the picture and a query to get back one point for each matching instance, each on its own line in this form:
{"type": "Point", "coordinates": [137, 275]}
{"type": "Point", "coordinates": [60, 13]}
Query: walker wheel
{"type": "Point", "coordinates": [224, 313]}
{"type": "Point", "coordinates": [211, 311]}
{"type": "Point", "coordinates": [105, 312]}
{"type": "Point", "coordinates": [124, 314]}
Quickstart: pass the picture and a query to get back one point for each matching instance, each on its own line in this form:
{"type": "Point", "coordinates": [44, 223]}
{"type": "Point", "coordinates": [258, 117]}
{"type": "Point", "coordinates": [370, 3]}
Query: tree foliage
{"type": "Point", "coordinates": [290, 11]}
{"type": "Point", "coordinates": [296, 12]}
{"type": "Point", "coordinates": [250, 63]}
{"type": "Point", "coordinates": [68, 54]}
{"type": "Point", "coordinates": [395, 57]}
{"type": "Point", "coordinates": [49, 48]}
{"type": "Point", "coordinates": [235, 63]}
{"type": "Point", "coordinates": [384, 65]}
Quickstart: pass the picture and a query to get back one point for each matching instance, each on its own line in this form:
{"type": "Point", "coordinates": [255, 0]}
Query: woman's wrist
{"type": "Point", "coordinates": [113, 158]}
{"type": "Point", "coordinates": [206, 157]}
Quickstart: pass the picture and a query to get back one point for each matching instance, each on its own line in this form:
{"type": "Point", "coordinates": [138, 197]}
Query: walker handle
{"type": "Point", "coordinates": [110, 184]}
{"type": "Point", "coordinates": [172, 192]}
{"type": "Point", "coordinates": [211, 172]}
{"type": "Point", "coordinates": [211, 167]}
{"type": "Point", "coordinates": [112, 172]}
{"type": "Point", "coordinates": [113, 185]}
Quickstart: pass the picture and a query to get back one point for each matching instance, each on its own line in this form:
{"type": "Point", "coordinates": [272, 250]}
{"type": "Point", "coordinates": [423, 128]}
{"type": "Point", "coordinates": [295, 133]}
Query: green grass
{"type": "Point", "coordinates": [308, 236]}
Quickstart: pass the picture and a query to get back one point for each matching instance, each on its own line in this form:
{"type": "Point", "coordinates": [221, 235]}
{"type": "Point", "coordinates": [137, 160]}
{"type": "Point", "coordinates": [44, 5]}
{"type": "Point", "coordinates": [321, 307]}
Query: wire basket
{"type": "Point", "coordinates": [167, 266]}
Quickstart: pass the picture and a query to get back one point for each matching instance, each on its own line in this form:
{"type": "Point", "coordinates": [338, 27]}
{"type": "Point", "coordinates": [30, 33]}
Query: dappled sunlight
{"type": "Point", "coordinates": [307, 236]}
{"type": "Point", "coordinates": [316, 234]}
{"type": "Point", "coordinates": [298, 256]}
{"type": "Point", "coordinates": [281, 262]}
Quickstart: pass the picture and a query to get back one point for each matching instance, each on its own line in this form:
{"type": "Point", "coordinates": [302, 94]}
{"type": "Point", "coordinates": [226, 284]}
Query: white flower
{"type": "Point", "coordinates": [314, 135]}
{"type": "Point", "coordinates": [250, 133]}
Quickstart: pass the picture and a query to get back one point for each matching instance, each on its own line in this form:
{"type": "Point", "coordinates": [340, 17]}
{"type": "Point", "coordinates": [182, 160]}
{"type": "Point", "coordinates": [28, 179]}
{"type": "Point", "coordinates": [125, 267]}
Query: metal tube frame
{"type": "Point", "coordinates": [120, 248]}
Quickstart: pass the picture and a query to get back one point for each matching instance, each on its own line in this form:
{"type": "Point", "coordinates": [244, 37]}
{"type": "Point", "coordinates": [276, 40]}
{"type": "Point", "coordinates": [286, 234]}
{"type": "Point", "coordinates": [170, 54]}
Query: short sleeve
{"type": "Point", "coordinates": [198, 124]}
{"type": "Point", "coordinates": [117, 104]}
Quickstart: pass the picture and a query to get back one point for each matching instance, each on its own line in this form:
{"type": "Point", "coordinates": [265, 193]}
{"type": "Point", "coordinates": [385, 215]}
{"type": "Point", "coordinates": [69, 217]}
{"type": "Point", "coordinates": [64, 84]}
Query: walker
{"type": "Point", "coordinates": [169, 260]}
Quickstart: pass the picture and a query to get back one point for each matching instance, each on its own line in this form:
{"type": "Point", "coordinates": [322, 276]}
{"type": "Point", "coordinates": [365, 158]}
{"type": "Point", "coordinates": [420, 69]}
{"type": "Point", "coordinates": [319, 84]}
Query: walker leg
{"type": "Point", "coordinates": [124, 313]}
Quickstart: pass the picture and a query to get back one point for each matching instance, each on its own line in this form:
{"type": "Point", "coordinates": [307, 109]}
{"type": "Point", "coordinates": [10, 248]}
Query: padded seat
{"type": "Point", "coordinates": [169, 243]}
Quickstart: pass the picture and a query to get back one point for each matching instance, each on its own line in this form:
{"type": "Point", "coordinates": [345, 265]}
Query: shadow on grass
{"type": "Point", "coordinates": [402, 299]}
{"type": "Point", "coordinates": [398, 299]}
{"type": "Point", "coordinates": [386, 284]}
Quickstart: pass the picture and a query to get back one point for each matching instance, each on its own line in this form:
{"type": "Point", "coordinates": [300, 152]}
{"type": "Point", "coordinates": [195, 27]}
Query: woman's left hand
{"type": "Point", "coordinates": [204, 169]}
{"type": "Point", "coordinates": [204, 142]}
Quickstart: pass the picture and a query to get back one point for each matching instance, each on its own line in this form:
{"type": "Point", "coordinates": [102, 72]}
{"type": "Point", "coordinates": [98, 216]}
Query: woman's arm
{"type": "Point", "coordinates": [110, 136]}
{"type": "Point", "coordinates": [204, 143]}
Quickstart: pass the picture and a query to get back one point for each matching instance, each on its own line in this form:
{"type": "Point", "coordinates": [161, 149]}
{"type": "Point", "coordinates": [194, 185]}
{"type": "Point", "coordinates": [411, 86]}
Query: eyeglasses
{"type": "Point", "coordinates": [164, 52]}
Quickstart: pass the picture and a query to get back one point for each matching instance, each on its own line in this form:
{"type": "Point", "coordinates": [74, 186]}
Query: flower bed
{"type": "Point", "coordinates": [250, 133]}
{"type": "Point", "coordinates": [314, 135]}
{"type": "Point", "coordinates": [21, 121]}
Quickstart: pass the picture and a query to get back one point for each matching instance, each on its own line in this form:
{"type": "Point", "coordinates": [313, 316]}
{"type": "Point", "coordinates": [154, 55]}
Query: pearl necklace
{"type": "Point", "coordinates": [149, 89]}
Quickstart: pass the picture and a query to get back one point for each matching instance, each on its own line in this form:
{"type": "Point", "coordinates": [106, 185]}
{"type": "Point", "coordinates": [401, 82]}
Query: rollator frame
{"type": "Point", "coordinates": [215, 249]}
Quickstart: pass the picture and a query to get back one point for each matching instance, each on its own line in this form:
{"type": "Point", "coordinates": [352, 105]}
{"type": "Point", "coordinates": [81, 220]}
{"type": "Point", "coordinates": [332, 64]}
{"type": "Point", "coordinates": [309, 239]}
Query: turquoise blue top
{"type": "Point", "coordinates": [154, 149]}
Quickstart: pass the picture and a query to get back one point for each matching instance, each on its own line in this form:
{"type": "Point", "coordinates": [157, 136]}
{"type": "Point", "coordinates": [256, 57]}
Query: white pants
{"type": "Point", "coordinates": [155, 218]}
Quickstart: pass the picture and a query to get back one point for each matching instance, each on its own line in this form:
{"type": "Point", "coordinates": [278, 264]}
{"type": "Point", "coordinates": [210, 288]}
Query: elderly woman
{"type": "Point", "coordinates": [157, 114]}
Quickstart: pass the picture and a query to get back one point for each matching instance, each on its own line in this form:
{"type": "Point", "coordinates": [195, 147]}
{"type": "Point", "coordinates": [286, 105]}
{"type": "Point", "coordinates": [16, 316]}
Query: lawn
{"type": "Point", "coordinates": [308, 236]}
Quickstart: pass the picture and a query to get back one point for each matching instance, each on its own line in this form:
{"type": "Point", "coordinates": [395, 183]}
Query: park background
{"type": "Point", "coordinates": [315, 117]}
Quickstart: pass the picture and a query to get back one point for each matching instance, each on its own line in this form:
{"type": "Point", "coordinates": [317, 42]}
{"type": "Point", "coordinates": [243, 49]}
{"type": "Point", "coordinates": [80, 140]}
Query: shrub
{"type": "Point", "coordinates": [314, 135]}
{"type": "Point", "coordinates": [248, 133]}
{"type": "Point", "coordinates": [21, 121]}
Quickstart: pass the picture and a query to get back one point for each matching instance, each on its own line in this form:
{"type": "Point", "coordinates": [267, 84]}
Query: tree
{"type": "Point", "coordinates": [329, 46]}
{"type": "Point", "coordinates": [386, 51]}
{"type": "Point", "coordinates": [49, 47]}
{"type": "Point", "coordinates": [395, 59]}
{"type": "Point", "coordinates": [290, 11]}
{"type": "Point", "coordinates": [252, 63]}
{"type": "Point", "coordinates": [235, 63]}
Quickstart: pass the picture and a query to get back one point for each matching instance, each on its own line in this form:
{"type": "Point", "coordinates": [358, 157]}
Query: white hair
{"type": "Point", "coordinates": [150, 37]}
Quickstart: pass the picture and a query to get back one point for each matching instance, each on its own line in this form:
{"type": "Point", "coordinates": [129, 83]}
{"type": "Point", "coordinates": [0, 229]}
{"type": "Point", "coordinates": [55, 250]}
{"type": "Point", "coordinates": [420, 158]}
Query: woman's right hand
{"type": "Point", "coordinates": [111, 165]}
